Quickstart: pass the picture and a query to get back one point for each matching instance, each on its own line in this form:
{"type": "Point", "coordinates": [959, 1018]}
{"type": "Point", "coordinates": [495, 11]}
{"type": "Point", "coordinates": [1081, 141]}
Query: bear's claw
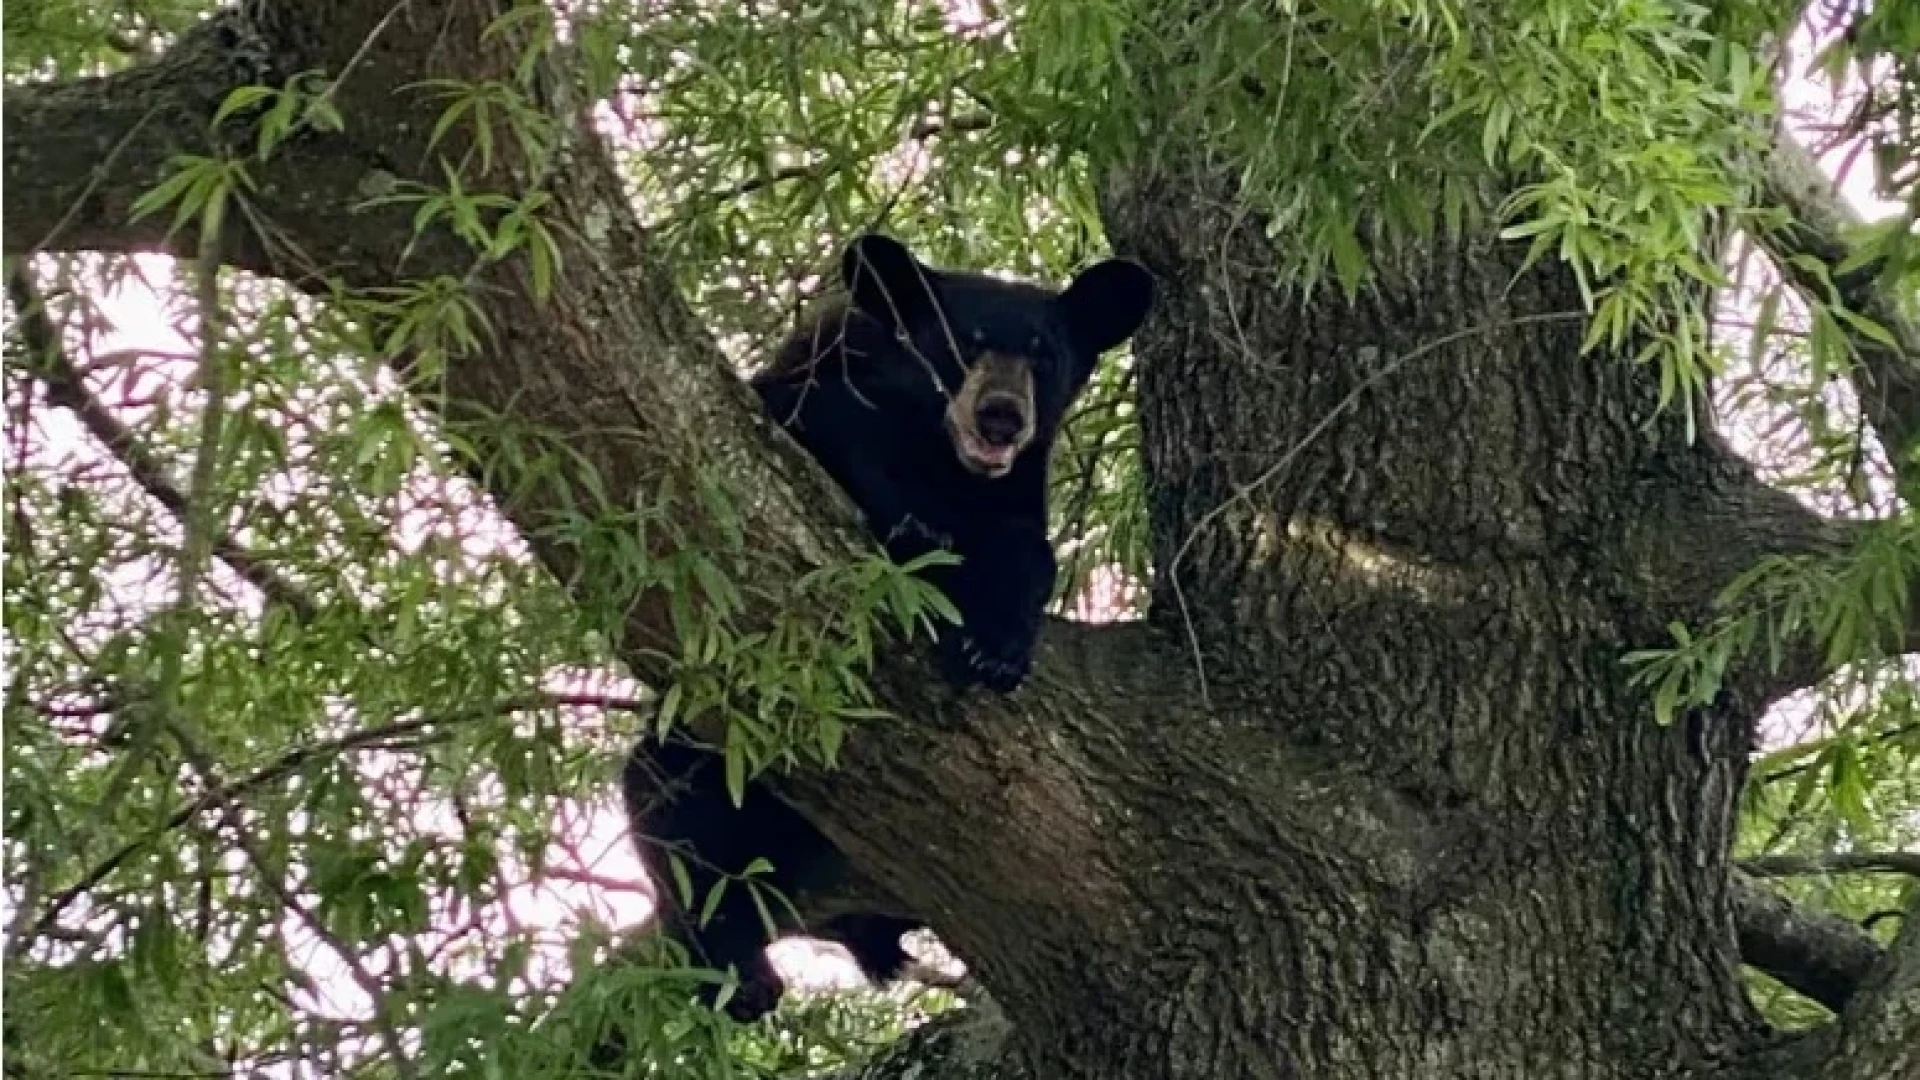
{"type": "Point", "coordinates": [910, 527]}
{"type": "Point", "coordinates": [969, 664]}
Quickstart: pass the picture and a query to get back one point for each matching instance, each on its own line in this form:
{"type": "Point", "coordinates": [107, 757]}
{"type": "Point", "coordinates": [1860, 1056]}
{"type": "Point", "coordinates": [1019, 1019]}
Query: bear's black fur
{"type": "Point", "coordinates": [933, 398]}
{"type": "Point", "coordinates": [676, 797]}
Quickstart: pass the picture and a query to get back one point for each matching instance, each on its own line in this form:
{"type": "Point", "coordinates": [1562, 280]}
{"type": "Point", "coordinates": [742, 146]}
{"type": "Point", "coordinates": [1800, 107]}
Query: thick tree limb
{"type": "Point", "coordinates": [80, 152]}
{"type": "Point", "coordinates": [1879, 1033]}
{"type": "Point", "coordinates": [1822, 956]}
{"type": "Point", "coordinates": [1887, 376]}
{"type": "Point", "coordinates": [1698, 534]}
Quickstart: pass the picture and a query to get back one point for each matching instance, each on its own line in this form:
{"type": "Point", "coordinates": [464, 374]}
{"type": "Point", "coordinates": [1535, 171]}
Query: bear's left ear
{"type": "Point", "coordinates": [1107, 302]}
{"type": "Point", "coordinates": [886, 281]}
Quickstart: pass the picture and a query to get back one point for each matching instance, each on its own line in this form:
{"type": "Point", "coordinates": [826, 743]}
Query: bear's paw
{"type": "Point", "coordinates": [999, 666]}
{"type": "Point", "coordinates": [912, 528]}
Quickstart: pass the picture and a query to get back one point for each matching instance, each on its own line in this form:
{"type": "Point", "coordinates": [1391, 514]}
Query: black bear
{"type": "Point", "coordinates": [933, 398]}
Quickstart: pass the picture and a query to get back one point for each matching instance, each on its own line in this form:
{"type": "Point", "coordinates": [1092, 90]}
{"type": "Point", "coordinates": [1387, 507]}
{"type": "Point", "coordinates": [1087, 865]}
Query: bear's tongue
{"type": "Point", "coordinates": [995, 455]}
{"type": "Point", "coordinates": [988, 455]}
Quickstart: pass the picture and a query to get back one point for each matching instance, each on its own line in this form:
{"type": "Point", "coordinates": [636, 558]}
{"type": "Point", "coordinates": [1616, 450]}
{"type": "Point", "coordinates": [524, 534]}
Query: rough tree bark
{"type": "Point", "coordinates": [1368, 797]}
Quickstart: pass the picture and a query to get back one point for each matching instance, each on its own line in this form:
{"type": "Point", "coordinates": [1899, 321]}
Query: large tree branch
{"type": "Point", "coordinates": [1887, 375]}
{"type": "Point", "coordinates": [1879, 1033]}
{"type": "Point", "coordinates": [79, 153]}
{"type": "Point", "coordinates": [1822, 956]}
{"type": "Point", "coordinates": [1706, 524]}
{"type": "Point", "coordinates": [1844, 862]}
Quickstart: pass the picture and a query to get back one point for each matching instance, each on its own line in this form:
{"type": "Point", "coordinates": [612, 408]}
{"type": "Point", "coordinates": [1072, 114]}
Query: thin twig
{"type": "Point", "coordinates": [67, 389]}
{"type": "Point", "coordinates": [272, 878]}
{"type": "Point", "coordinates": [920, 132]}
{"type": "Point", "coordinates": [292, 762]}
{"type": "Point", "coordinates": [1812, 759]}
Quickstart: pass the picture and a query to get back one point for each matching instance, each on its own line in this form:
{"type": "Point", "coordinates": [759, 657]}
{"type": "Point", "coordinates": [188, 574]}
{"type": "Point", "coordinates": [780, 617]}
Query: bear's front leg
{"type": "Point", "coordinates": [908, 537]}
{"type": "Point", "coordinates": [841, 435]}
{"type": "Point", "coordinates": [1001, 589]}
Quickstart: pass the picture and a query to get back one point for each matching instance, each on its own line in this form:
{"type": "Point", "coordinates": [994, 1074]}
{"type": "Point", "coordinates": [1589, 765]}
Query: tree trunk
{"type": "Point", "coordinates": [1369, 797]}
{"type": "Point", "coordinates": [1389, 531]}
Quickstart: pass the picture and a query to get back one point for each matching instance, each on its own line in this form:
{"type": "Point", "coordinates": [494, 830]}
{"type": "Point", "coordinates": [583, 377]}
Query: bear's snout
{"type": "Point", "coordinates": [991, 419]}
{"type": "Point", "coordinates": [1000, 420]}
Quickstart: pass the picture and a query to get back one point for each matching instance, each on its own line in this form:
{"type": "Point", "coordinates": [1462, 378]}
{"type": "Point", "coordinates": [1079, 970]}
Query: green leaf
{"type": "Point", "coordinates": [241, 98]}
{"type": "Point", "coordinates": [736, 773]}
{"type": "Point", "coordinates": [1869, 329]}
{"type": "Point", "coordinates": [1764, 322]}
{"type": "Point", "coordinates": [1494, 132]}
{"type": "Point", "coordinates": [183, 174]}
{"type": "Point", "coordinates": [682, 881]}
{"type": "Point", "coordinates": [712, 902]}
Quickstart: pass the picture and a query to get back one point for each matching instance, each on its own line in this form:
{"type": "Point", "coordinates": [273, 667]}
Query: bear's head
{"type": "Point", "coordinates": [1008, 357]}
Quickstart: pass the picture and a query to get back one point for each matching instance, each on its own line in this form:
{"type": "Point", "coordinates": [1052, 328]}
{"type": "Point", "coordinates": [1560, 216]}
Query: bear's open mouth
{"type": "Point", "coordinates": [981, 456]}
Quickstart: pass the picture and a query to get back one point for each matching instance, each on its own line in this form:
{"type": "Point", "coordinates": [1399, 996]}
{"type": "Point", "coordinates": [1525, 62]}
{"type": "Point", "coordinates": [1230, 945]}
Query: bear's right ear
{"type": "Point", "coordinates": [1107, 302]}
{"type": "Point", "coordinates": [886, 281]}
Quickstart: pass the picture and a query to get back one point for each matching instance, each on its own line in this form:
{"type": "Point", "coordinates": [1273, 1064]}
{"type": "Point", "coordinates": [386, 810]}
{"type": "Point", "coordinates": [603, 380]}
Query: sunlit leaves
{"type": "Point", "coordinates": [68, 36]}
{"type": "Point", "coordinates": [1623, 129]}
{"type": "Point", "coordinates": [175, 914]}
{"type": "Point", "coordinates": [419, 667]}
{"type": "Point", "coordinates": [279, 113]}
{"type": "Point", "coordinates": [197, 187]}
{"type": "Point", "coordinates": [480, 110]}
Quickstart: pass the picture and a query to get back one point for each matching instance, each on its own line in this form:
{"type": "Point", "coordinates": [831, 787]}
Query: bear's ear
{"type": "Point", "coordinates": [886, 281]}
{"type": "Point", "coordinates": [1107, 303]}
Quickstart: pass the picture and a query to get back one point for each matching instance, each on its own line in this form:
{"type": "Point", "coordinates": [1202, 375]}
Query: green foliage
{"type": "Point", "coordinates": [197, 189]}
{"type": "Point", "coordinates": [304, 102]}
{"type": "Point", "coordinates": [67, 37]}
{"type": "Point", "coordinates": [418, 661]}
{"type": "Point", "coordinates": [1856, 605]}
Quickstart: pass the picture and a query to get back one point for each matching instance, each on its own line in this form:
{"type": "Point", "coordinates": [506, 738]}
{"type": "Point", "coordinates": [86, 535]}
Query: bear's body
{"type": "Point", "coordinates": [874, 391]}
{"type": "Point", "coordinates": [933, 398]}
